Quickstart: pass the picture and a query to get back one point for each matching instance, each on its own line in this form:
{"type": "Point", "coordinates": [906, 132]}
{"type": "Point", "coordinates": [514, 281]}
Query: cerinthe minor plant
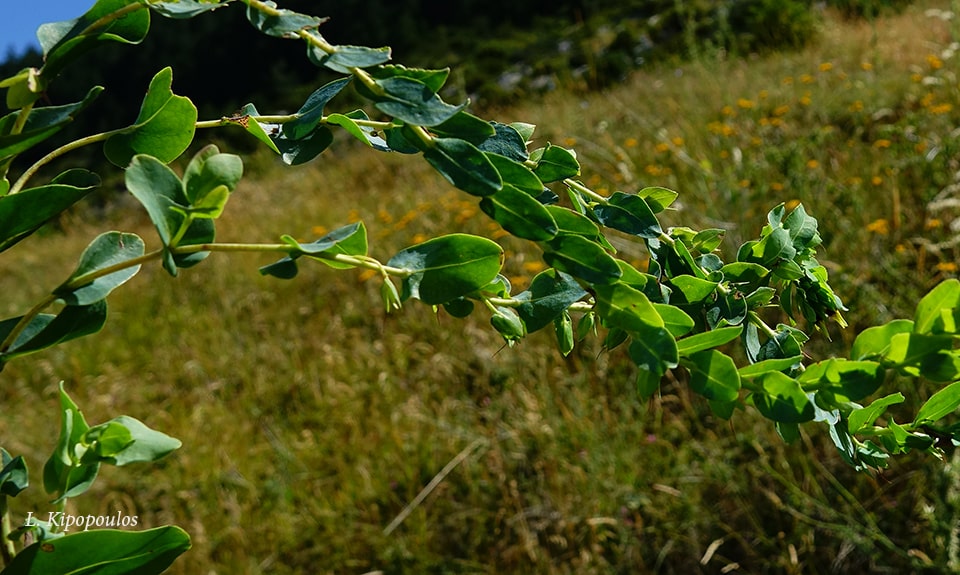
{"type": "Point", "coordinates": [679, 314]}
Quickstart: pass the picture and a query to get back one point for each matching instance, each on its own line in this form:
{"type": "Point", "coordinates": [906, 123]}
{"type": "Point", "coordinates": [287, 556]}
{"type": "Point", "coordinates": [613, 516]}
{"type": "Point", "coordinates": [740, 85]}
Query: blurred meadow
{"type": "Point", "coordinates": [310, 418]}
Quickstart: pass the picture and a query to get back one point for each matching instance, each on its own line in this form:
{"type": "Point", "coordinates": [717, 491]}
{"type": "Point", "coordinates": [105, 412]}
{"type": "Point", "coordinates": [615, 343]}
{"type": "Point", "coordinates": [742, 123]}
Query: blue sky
{"type": "Point", "coordinates": [20, 18]}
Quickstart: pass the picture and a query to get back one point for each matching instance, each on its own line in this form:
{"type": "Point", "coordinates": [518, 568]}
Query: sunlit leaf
{"type": "Point", "coordinates": [519, 214]}
{"type": "Point", "coordinates": [107, 250]}
{"type": "Point", "coordinates": [103, 552]}
{"type": "Point", "coordinates": [23, 213]}
{"type": "Point", "coordinates": [163, 129]}
{"type": "Point", "coordinates": [550, 294]}
{"type": "Point", "coordinates": [448, 267]}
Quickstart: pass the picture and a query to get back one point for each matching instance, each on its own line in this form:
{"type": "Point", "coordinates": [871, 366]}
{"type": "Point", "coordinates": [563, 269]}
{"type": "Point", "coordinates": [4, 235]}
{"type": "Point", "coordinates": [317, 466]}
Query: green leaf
{"type": "Point", "coordinates": [159, 190]}
{"type": "Point", "coordinates": [245, 119]}
{"type": "Point", "coordinates": [781, 399]}
{"type": "Point", "coordinates": [555, 163]}
{"type": "Point", "coordinates": [508, 324]}
{"type": "Point", "coordinates": [209, 179]}
{"type": "Point", "coordinates": [630, 214]}
{"type": "Point", "coordinates": [309, 115]}
{"type": "Point", "coordinates": [802, 229]}
{"type": "Point", "coordinates": [448, 267]}
{"type": "Point", "coordinates": [180, 9]}
{"type": "Point", "coordinates": [63, 475]}
{"type": "Point", "coordinates": [41, 124]}
{"type": "Point", "coordinates": [570, 222]}
{"type": "Point", "coordinates": [929, 318]}
{"type": "Point", "coordinates": [281, 23]}
{"type": "Point", "coordinates": [349, 240]}
{"type": "Point", "coordinates": [508, 142]}
{"type": "Point", "coordinates": [47, 330]}
{"type": "Point", "coordinates": [874, 342]}
{"type": "Point", "coordinates": [432, 79]}
{"type": "Point", "coordinates": [853, 380]}
{"type": "Point", "coordinates": [413, 102]}
{"type": "Point", "coordinates": [550, 294]}
{"type": "Point", "coordinates": [675, 319]}
{"type": "Point", "coordinates": [519, 214]}
{"type": "Point", "coordinates": [13, 474]}
{"type": "Point", "coordinates": [768, 365]}
{"type": "Point", "coordinates": [654, 349]}
{"type": "Point", "coordinates": [464, 166]}
{"type": "Point", "coordinates": [693, 289]}
{"type": "Point", "coordinates": [366, 135]}
{"type": "Point", "coordinates": [297, 152]}
{"type": "Point", "coordinates": [465, 126]}
{"type": "Point", "coordinates": [713, 375]}
{"type": "Point", "coordinates": [648, 383]}
{"type": "Point", "coordinates": [744, 272]}
{"type": "Point", "coordinates": [516, 174]}
{"type": "Point", "coordinates": [563, 326]}
{"type": "Point", "coordinates": [940, 404]}
{"type": "Point", "coordinates": [64, 42]}
{"type": "Point", "coordinates": [23, 213]}
{"type": "Point", "coordinates": [860, 419]}
{"type": "Point", "coordinates": [107, 250]}
{"type": "Point", "coordinates": [621, 306]}
{"type": "Point", "coordinates": [142, 443]}
{"type": "Point", "coordinates": [103, 552]}
{"type": "Point", "coordinates": [929, 356]}
{"type": "Point", "coordinates": [657, 198]}
{"type": "Point", "coordinates": [582, 259]}
{"type": "Point", "coordinates": [708, 340]}
{"type": "Point", "coordinates": [344, 58]}
{"type": "Point", "coordinates": [163, 129]}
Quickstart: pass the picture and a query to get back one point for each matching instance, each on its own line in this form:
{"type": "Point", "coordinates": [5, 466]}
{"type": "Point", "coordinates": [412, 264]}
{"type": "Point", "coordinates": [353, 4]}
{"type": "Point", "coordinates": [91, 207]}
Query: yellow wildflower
{"type": "Point", "coordinates": [866, 66]}
{"type": "Point", "coordinates": [792, 204]}
{"type": "Point", "coordinates": [879, 227]}
{"type": "Point", "coordinates": [662, 147]}
{"type": "Point", "coordinates": [781, 110]}
{"type": "Point", "coordinates": [947, 267]}
{"type": "Point", "coordinates": [813, 164]}
{"type": "Point", "coordinates": [932, 223]}
{"type": "Point", "coordinates": [883, 143]}
{"type": "Point", "coordinates": [941, 109]}
{"type": "Point", "coordinates": [934, 61]}
{"type": "Point", "coordinates": [533, 267]}
{"type": "Point", "coordinates": [876, 180]}
{"type": "Point", "coordinates": [806, 79]}
{"type": "Point", "coordinates": [826, 66]}
{"type": "Point", "coordinates": [630, 142]}
{"type": "Point", "coordinates": [856, 106]}
{"type": "Point", "coordinates": [777, 187]}
{"type": "Point", "coordinates": [745, 103]}
{"type": "Point", "coordinates": [677, 141]}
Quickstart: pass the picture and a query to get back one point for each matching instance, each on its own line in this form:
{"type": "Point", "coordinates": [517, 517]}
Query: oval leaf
{"type": "Point", "coordinates": [448, 267]}
{"type": "Point", "coordinates": [464, 166]}
{"type": "Point", "coordinates": [520, 214]}
{"type": "Point", "coordinates": [164, 128]}
{"type": "Point", "coordinates": [103, 552]}
{"type": "Point", "coordinates": [106, 251]}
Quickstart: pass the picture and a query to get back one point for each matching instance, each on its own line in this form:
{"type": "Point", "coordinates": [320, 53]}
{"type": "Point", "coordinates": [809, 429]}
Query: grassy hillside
{"type": "Point", "coordinates": [310, 419]}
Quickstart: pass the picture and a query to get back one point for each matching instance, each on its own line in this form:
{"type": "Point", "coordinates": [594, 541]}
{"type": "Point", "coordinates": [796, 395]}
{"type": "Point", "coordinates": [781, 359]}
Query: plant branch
{"type": "Point", "coordinates": [67, 148]}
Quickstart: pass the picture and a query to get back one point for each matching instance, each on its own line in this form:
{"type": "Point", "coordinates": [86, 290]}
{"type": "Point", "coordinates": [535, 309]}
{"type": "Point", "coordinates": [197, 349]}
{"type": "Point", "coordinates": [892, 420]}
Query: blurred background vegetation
{"type": "Point", "coordinates": [310, 419]}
